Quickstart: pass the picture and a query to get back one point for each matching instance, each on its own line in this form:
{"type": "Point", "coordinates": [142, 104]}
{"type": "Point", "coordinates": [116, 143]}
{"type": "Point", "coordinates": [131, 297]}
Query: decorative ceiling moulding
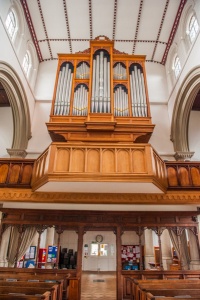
{"type": "Point", "coordinates": [172, 198]}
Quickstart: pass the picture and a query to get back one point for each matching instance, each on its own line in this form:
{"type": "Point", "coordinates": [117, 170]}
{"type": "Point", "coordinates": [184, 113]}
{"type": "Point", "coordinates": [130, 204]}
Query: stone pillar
{"type": "Point", "coordinates": [17, 153]}
{"type": "Point", "coordinates": [194, 251]}
{"type": "Point", "coordinates": [183, 155]}
{"type": "Point", "coordinates": [4, 248]}
{"type": "Point", "coordinates": [149, 250]}
{"type": "Point", "coordinates": [166, 250]}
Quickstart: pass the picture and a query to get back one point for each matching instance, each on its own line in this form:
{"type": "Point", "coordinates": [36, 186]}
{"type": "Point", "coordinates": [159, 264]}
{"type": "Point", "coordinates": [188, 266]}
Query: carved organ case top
{"type": "Point", "coordinates": [100, 95]}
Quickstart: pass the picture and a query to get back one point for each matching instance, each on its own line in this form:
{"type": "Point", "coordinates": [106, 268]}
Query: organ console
{"type": "Point", "coordinates": [100, 95]}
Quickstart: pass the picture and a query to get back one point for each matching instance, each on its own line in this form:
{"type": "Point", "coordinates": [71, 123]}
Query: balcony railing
{"type": "Point", "coordinates": [16, 173]}
{"type": "Point", "coordinates": [183, 175]}
{"type": "Point", "coordinates": [65, 162]}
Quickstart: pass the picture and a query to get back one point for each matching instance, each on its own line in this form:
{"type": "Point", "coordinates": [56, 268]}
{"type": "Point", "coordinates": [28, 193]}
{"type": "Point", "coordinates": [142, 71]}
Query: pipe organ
{"type": "Point", "coordinates": [100, 94]}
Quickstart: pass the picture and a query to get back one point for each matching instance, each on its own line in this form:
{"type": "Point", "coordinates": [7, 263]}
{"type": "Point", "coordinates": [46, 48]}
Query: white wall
{"type": "Point", "coordinates": [156, 83]}
{"type": "Point", "coordinates": [194, 134]}
{"type": "Point", "coordinates": [6, 130]}
{"type": "Point", "coordinates": [40, 137]}
{"type": "Point", "coordinates": [101, 263]}
{"type": "Point", "coordinates": [160, 139]}
{"type": "Point", "coordinates": [46, 80]}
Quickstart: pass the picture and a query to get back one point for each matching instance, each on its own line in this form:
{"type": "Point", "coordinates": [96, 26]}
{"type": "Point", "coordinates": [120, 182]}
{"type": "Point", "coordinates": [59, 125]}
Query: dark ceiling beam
{"type": "Point", "coordinates": [173, 31]}
{"type": "Point", "coordinates": [31, 28]}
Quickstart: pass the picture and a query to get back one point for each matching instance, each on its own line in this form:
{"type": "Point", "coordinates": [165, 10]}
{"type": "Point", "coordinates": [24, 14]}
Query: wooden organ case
{"type": "Point", "coordinates": [100, 96]}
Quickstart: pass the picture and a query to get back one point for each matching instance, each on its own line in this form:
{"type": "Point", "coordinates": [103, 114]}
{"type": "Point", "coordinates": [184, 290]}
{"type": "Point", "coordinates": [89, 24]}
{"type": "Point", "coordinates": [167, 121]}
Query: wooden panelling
{"type": "Point", "coordinates": [93, 161]}
{"type": "Point", "coordinates": [62, 164]}
{"type": "Point", "coordinates": [3, 172]}
{"type": "Point", "coordinates": [138, 161]}
{"type": "Point", "coordinates": [109, 220]}
{"type": "Point", "coordinates": [108, 161]}
{"type": "Point", "coordinates": [195, 176]}
{"type": "Point", "coordinates": [172, 178]}
{"type": "Point", "coordinates": [183, 175]}
{"type": "Point", "coordinates": [16, 173]}
{"type": "Point", "coordinates": [62, 161]}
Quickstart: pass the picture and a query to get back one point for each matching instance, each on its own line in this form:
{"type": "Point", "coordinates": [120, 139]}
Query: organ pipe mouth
{"type": "Point", "coordinates": [105, 54]}
{"type": "Point", "coordinates": [132, 68]}
{"type": "Point", "coordinates": [70, 66]}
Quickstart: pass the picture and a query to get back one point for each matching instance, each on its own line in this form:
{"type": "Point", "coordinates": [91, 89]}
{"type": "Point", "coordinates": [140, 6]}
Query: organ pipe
{"type": "Point", "coordinates": [119, 72]}
{"type": "Point", "coordinates": [82, 71]}
{"type": "Point", "coordinates": [138, 96]}
{"type": "Point", "coordinates": [100, 102]}
{"type": "Point", "coordinates": [63, 92]}
{"type": "Point", "coordinates": [80, 103]}
{"type": "Point", "coordinates": [121, 101]}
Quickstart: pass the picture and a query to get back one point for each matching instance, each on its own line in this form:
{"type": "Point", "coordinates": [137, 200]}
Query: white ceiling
{"type": "Point", "coordinates": [145, 27]}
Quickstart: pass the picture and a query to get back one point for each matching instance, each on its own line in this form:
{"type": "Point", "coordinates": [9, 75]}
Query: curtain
{"type": "Point", "coordinates": [182, 253]}
{"type": "Point", "coordinates": [26, 239]}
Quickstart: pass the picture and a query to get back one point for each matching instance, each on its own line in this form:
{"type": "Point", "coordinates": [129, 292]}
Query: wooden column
{"type": "Point", "coordinates": [40, 230]}
{"type": "Point", "coordinates": [179, 233]}
{"type": "Point", "coordinates": [59, 231]}
{"type": "Point", "coordinates": [140, 232]}
{"type": "Point", "coordinates": [159, 231]}
{"type": "Point", "coordinates": [119, 263]}
{"type": "Point", "coordinates": [79, 258]}
{"type": "Point", "coordinates": [160, 247]}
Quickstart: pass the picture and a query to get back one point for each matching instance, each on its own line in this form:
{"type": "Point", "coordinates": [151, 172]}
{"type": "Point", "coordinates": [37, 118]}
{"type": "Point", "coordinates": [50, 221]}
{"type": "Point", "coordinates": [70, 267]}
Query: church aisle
{"type": "Point", "coordinates": [100, 285]}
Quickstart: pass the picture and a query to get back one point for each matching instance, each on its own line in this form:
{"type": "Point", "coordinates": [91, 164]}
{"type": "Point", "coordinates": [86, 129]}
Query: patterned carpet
{"type": "Point", "coordinates": [100, 285]}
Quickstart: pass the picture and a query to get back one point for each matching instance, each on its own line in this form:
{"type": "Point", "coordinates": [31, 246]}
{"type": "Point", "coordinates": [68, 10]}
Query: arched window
{"type": "Point", "coordinates": [11, 24]}
{"type": "Point", "coordinates": [26, 63]}
{"type": "Point", "coordinates": [193, 28]}
{"type": "Point", "coordinates": [176, 66]}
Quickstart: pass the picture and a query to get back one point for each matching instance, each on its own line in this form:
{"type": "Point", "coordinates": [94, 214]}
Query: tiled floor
{"type": "Point", "coordinates": [100, 285]}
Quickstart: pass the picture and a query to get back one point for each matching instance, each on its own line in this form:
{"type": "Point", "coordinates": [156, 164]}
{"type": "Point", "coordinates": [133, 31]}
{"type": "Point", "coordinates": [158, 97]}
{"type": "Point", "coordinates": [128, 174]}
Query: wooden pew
{"type": "Point", "coordinates": [69, 286]}
{"type": "Point", "coordinates": [45, 296]}
{"type": "Point", "coordinates": [24, 284]}
{"type": "Point", "coordinates": [174, 294]}
{"type": "Point", "coordinates": [145, 284]}
{"type": "Point", "coordinates": [63, 283]}
{"type": "Point", "coordinates": [152, 297]}
{"type": "Point", "coordinates": [28, 291]}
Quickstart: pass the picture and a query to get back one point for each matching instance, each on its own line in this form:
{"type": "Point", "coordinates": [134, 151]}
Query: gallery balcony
{"type": "Point", "coordinates": [99, 168]}
{"type": "Point", "coordinates": [126, 167]}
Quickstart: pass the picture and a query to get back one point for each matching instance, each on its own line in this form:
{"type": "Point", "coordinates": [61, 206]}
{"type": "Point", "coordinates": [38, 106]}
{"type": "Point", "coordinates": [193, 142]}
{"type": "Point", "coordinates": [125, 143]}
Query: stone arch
{"type": "Point", "coordinates": [20, 110]}
{"type": "Point", "coordinates": [181, 114]}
